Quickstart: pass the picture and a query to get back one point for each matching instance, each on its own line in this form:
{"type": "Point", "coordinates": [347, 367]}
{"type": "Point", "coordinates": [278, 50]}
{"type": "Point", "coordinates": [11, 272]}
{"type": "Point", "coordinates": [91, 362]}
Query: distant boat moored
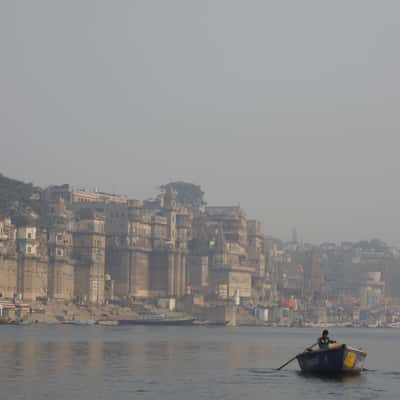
{"type": "Point", "coordinates": [156, 320]}
{"type": "Point", "coordinates": [107, 322]}
{"type": "Point", "coordinates": [79, 322]}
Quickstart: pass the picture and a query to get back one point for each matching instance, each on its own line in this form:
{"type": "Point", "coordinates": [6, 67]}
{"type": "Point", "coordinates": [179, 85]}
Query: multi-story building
{"type": "Point", "coordinates": [272, 261]}
{"type": "Point", "coordinates": [230, 271]}
{"type": "Point", "coordinates": [233, 220]}
{"type": "Point", "coordinates": [146, 255]}
{"type": "Point", "coordinates": [255, 248]}
{"type": "Point", "coordinates": [8, 236]}
{"type": "Point", "coordinates": [83, 196]}
{"type": "Point", "coordinates": [155, 248]}
{"type": "Point", "coordinates": [310, 259]}
{"type": "Point", "coordinates": [89, 254]}
{"type": "Point", "coordinates": [291, 280]}
{"type": "Point", "coordinates": [8, 258]}
{"type": "Point", "coordinates": [32, 272]}
{"type": "Point", "coordinates": [372, 290]}
{"type": "Point", "coordinates": [347, 264]}
{"type": "Point", "coordinates": [69, 195]}
{"type": "Point", "coordinates": [200, 253]}
{"type": "Point", "coordinates": [61, 266]}
{"type": "Point", "coordinates": [27, 241]}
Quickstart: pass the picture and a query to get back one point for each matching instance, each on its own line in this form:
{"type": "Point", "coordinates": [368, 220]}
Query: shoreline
{"type": "Point", "coordinates": [68, 313]}
{"type": "Point", "coordinates": [192, 322]}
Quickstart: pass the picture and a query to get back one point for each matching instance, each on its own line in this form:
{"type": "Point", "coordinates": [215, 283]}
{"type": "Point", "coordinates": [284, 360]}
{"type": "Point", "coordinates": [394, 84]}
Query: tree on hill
{"type": "Point", "coordinates": [13, 191]}
{"type": "Point", "coordinates": [187, 194]}
{"type": "Point", "coordinates": [17, 200]}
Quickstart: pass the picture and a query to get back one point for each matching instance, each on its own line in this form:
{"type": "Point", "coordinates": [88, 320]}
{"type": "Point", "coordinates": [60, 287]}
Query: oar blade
{"type": "Point", "coordinates": [292, 359]}
{"type": "Point", "coordinates": [287, 363]}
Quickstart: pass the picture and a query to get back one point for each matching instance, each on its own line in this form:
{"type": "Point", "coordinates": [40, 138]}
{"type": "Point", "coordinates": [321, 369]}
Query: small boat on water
{"type": "Point", "coordinates": [107, 322]}
{"type": "Point", "coordinates": [21, 322]}
{"type": "Point", "coordinates": [79, 322]}
{"type": "Point", "coordinates": [157, 321]}
{"type": "Point", "coordinates": [211, 323]}
{"type": "Point", "coordinates": [334, 361]}
{"type": "Point", "coordinates": [5, 321]}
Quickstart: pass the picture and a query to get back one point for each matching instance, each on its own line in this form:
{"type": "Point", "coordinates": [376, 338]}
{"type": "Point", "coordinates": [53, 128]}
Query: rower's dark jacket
{"type": "Point", "coordinates": [324, 342]}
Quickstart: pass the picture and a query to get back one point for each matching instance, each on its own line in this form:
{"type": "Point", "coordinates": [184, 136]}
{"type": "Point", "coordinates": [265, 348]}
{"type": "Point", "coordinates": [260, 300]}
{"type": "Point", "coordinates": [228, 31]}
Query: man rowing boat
{"type": "Point", "coordinates": [324, 341]}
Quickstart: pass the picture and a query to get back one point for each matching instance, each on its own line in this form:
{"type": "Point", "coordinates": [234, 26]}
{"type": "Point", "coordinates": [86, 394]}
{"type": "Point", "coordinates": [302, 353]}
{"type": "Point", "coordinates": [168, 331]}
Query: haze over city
{"type": "Point", "coordinates": [290, 110]}
{"type": "Point", "coordinates": [199, 199]}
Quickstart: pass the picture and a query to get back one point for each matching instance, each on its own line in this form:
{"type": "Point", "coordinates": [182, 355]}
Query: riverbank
{"type": "Point", "coordinates": [55, 312]}
{"type": "Point", "coordinates": [109, 314]}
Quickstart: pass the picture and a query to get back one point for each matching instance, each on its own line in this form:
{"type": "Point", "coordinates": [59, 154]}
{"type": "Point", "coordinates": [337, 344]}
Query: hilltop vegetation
{"type": "Point", "coordinates": [14, 194]}
{"type": "Point", "coordinates": [188, 194]}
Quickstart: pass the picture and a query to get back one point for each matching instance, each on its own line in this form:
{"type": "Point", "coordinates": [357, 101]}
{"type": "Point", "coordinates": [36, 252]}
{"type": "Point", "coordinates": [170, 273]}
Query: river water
{"type": "Point", "coordinates": [184, 363]}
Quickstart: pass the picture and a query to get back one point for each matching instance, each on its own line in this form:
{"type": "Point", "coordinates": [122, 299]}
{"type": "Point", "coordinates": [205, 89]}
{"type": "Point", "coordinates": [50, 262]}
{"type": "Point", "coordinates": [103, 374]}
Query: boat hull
{"type": "Point", "coordinates": [335, 361]}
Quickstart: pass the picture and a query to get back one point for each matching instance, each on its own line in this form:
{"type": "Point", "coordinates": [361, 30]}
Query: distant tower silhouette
{"type": "Point", "coordinates": [294, 236]}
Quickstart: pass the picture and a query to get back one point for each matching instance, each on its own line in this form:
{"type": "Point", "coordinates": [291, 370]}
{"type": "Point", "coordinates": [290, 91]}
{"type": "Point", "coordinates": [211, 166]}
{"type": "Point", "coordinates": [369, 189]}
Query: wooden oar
{"type": "Point", "coordinates": [286, 363]}
{"type": "Point", "coordinates": [292, 359]}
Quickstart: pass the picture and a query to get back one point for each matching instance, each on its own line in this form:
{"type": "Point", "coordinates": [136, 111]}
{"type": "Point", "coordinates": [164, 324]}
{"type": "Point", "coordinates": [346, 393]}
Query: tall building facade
{"type": "Point", "coordinates": [148, 256]}
{"type": "Point", "coordinates": [89, 254]}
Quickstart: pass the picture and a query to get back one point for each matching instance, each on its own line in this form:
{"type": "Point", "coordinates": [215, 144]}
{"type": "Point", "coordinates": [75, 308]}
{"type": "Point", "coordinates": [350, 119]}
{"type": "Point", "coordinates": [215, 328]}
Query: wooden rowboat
{"type": "Point", "coordinates": [336, 360]}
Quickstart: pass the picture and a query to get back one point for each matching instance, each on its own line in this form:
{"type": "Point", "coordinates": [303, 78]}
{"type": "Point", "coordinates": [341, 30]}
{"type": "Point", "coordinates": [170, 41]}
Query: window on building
{"type": "Point", "coordinates": [29, 235]}
{"type": "Point", "coordinates": [29, 249]}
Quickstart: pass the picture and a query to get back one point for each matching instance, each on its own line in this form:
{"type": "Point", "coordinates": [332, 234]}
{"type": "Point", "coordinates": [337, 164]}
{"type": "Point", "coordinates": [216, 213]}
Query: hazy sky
{"type": "Point", "coordinates": [290, 108]}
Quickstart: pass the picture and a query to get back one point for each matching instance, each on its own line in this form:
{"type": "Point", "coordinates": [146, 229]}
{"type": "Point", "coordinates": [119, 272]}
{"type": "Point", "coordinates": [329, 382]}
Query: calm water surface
{"type": "Point", "coordinates": [94, 363]}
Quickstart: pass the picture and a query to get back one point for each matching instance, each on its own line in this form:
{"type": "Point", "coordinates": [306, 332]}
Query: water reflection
{"type": "Point", "coordinates": [95, 363]}
{"type": "Point", "coordinates": [345, 378]}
